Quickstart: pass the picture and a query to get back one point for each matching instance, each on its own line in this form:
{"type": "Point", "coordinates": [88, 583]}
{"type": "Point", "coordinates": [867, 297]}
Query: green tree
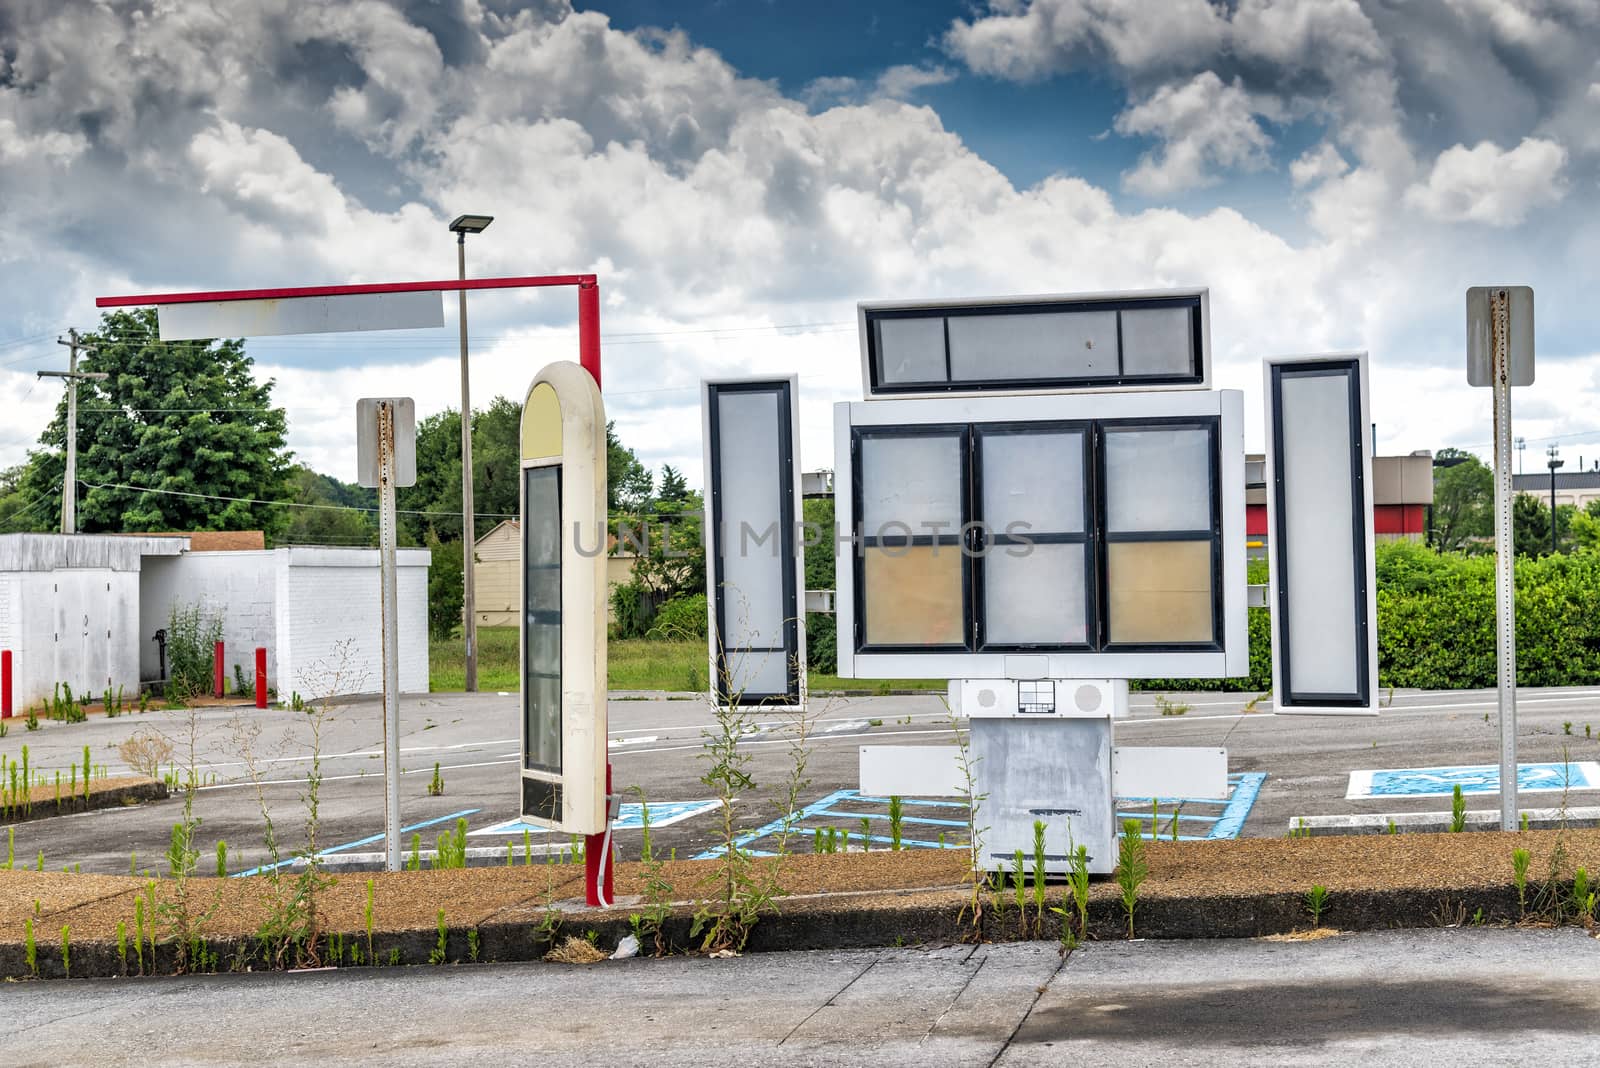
{"type": "Point", "coordinates": [1530, 525]}
{"type": "Point", "coordinates": [1463, 499]}
{"type": "Point", "coordinates": [18, 511]}
{"type": "Point", "coordinates": [339, 513]}
{"type": "Point", "coordinates": [432, 508]}
{"type": "Point", "coordinates": [179, 436]}
{"type": "Point", "coordinates": [674, 487]}
{"type": "Point", "coordinates": [628, 482]}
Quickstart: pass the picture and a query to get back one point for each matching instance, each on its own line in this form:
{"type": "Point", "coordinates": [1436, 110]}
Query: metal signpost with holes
{"type": "Point", "coordinates": [1500, 355]}
{"type": "Point", "coordinates": [565, 777]}
{"type": "Point", "coordinates": [386, 459]}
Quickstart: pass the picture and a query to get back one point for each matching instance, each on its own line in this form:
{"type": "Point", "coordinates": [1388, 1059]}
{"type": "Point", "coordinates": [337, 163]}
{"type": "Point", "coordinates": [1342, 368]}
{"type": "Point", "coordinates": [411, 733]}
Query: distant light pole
{"type": "Point", "coordinates": [1552, 453]}
{"type": "Point", "coordinates": [1522, 443]}
{"type": "Point", "coordinates": [461, 227]}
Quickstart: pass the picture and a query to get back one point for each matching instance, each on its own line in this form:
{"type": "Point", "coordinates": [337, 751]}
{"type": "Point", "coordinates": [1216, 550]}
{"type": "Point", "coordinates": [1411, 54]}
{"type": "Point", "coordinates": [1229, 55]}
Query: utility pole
{"type": "Point", "coordinates": [69, 480]}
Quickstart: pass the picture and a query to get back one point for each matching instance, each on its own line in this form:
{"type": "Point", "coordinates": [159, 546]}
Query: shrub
{"type": "Point", "coordinates": [632, 609]}
{"type": "Point", "coordinates": [192, 635]}
{"type": "Point", "coordinates": [680, 618]}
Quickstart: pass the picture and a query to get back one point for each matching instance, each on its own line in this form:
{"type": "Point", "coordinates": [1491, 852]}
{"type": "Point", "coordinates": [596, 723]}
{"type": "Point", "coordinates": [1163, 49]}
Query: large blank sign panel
{"type": "Point", "coordinates": [1319, 516]}
{"type": "Point", "coordinates": [754, 574]}
{"type": "Point", "coordinates": [1041, 537]}
{"type": "Point", "coordinates": [1109, 341]}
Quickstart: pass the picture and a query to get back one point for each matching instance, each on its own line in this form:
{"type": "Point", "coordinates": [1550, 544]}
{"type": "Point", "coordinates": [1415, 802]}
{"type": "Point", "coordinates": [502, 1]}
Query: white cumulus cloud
{"type": "Point", "coordinates": [1490, 185]}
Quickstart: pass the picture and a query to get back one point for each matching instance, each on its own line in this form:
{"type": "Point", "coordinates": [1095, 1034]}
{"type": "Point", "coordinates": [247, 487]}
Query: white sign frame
{"type": "Point", "coordinates": [870, 391]}
{"type": "Point", "coordinates": [790, 548]}
{"type": "Point", "coordinates": [583, 530]}
{"type": "Point", "coordinates": [1361, 704]}
{"type": "Point", "coordinates": [1232, 659]}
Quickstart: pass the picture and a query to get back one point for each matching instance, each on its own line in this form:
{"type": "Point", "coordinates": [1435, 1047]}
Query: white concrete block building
{"type": "Point", "coordinates": [84, 609]}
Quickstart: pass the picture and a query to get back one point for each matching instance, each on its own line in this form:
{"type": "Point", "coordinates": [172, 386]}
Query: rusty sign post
{"type": "Point", "coordinates": [386, 455]}
{"type": "Point", "coordinates": [1500, 355]}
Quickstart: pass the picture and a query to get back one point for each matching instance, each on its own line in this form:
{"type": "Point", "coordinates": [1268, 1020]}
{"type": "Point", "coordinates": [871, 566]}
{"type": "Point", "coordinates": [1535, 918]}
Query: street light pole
{"type": "Point", "coordinates": [69, 479]}
{"type": "Point", "coordinates": [461, 227]}
{"type": "Point", "coordinates": [1553, 463]}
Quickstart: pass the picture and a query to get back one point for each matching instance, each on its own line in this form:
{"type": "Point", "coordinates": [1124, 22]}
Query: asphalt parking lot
{"type": "Point", "coordinates": [656, 746]}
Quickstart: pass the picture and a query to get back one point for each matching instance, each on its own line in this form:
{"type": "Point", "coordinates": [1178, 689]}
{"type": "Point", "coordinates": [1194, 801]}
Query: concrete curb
{"type": "Point", "coordinates": [904, 918]}
{"type": "Point", "coordinates": [133, 793]}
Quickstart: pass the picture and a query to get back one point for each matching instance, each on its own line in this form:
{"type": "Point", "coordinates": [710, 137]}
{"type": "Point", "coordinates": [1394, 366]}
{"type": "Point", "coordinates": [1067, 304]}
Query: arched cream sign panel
{"type": "Point", "coordinates": [563, 602]}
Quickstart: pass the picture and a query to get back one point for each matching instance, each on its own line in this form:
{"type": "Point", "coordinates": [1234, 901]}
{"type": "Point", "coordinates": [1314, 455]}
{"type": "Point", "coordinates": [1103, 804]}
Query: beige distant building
{"type": "Point", "coordinates": [497, 586]}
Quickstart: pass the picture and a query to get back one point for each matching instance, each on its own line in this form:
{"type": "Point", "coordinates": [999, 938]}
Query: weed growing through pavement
{"type": "Point", "coordinates": [1583, 896]}
{"type": "Point", "coordinates": [1173, 708]}
{"type": "Point", "coordinates": [1316, 901]}
{"type": "Point", "coordinates": [30, 952]}
{"type": "Point", "coordinates": [967, 790]}
{"type": "Point", "coordinates": [367, 918]}
{"type": "Point", "coordinates": [1393, 828]}
{"type": "Point", "coordinates": [1132, 868]}
{"type": "Point", "coordinates": [179, 911]}
{"type": "Point", "coordinates": [414, 861]}
{"type": "Point", "coordinates": [657, 891]}
{"type": "Point", "coordinates": [66, 950]}
{"type": "Point", "coordinates": [866, 835]}
{"type": "Point", "coordinates": [896, 821]}
{"type": "Point", "coordinates": [1522, 824]}
{"type": "Point", "coordinates": [222, 859]}
{"type": "Point", "coordinates": [1519, 876]}
{"type": "Point", "coordinates": [742, 888]}
{"type": "Point", "coordinates": [122, 946]}
{"type": "Point", "coordinates": [1038, 877]}
{"type": "Point", "coordinates": [437, 956]}
{"type": "Point", "coordinates": [1458, 810]}
{"type": "Point", "coordinates": [474, 945]}
{"type": "Point", "coordinates": [138, 932]}
{"type": "Point", "coordinates": [436, 784]}
{"type": "Point", "coordinates": [451, 849]}
{"type": "Point", "coordinates": [1019, 888]}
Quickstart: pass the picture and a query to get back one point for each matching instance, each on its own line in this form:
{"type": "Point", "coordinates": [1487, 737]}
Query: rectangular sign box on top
{"type": "Point", "coordinates": [203, 320]}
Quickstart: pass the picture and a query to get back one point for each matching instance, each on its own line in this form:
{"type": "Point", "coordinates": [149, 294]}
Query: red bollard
{"type": "Point", "coordinates": [597, 866]}
{"type": "Point", "coordinates": [5, 684]}
{"type": "Point", "coordinates": [217, 670]}
{"type": "Point", "coordinates": [261, 677]}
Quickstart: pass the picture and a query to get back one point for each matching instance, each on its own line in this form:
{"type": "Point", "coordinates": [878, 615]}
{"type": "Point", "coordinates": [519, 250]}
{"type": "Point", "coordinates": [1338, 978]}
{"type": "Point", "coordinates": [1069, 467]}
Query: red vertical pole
{"type": "Point", "coordinates": [597, 866]}
{"type": "Point", "coordinates": [216, 669]}
{"type": "Point", "coordinates": [261, 677]}
{"type": "Point", "coordinates": [589, 328]}
{"type": "Point", "coordinates": [5, 684]}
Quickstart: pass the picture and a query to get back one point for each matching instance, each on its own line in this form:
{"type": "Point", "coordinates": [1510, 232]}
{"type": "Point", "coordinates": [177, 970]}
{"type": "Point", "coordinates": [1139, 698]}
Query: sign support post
{"type": "Point", "coordinates": [386, 457]}
{"type": "Point", "coordinates": [391, 638]}
{"type": "Point", "coordinates": [1500, 356]}
{"type": "Point", "coordinates": [1505, 586]}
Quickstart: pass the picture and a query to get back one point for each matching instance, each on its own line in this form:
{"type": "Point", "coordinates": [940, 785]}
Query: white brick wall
{"type": "Point", "coordinates": [330, 596]}
{"type": "Point", "coordinates": [238, 587]}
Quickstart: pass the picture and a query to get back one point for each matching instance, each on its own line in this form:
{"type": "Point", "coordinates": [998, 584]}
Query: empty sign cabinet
{"type": "Point", "coordinates": [1319, 535]}
{"type": "Point", "coordinates": [755, 575]}
{"type": "Point", "coordinates": [1042, 537]}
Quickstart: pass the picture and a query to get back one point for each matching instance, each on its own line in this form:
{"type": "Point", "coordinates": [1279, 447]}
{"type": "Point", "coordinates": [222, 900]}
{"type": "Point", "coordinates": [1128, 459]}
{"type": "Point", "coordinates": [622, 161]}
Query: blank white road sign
{"type": "Point", "coordinates": [300, 315]}
{"type": "Point", "coordinates": [1481, 334]}
{"type": "Point", "coordinates": [1319, 535]}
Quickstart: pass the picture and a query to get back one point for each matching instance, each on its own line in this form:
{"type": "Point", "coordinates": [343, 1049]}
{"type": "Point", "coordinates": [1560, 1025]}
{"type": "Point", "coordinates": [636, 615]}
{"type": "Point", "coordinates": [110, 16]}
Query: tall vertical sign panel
{"type": "Point", "coordinates": [1319, 535]}
{"type": "Point", "coordinates": [563, 544]}
{"type": "Point", "coordinates": [755, 574]}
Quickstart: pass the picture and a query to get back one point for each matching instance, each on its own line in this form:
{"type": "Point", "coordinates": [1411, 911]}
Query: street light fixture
{"type": "Point", "coordinates": [461, 227]}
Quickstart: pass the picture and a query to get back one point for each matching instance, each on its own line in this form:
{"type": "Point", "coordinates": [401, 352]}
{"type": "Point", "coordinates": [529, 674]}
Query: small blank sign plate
{"type": "Point", "coordinates": [911, 771]}
{"type": "Point", "coordinates": [1169, 771]}
{"type": "Point", "coordinates": [405, 441]}
{"type": "Point", "coordinates": [1480, 335]}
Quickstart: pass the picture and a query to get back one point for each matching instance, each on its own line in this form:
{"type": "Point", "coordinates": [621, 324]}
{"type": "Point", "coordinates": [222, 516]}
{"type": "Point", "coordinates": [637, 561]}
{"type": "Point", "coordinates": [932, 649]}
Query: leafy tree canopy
{"type": "Point", "coordinates": [1463, 499]}
{"type": "Point", "coordinates": [179, 436]}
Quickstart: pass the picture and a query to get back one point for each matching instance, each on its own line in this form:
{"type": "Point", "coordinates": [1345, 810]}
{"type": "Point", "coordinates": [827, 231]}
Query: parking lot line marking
{"type": "Point", "coordinates": [368, 840]}
{"type": "Point", "coordinates": [629, 818]}
{"type": "Point", "coordinates": [1243, 788]}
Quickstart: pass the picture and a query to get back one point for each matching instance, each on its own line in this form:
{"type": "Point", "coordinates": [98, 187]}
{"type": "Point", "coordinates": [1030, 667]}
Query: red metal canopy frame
{"type": "Point", "coordinates": [588, 287]}
{"type": "Point", "coordinates": [598, 867]}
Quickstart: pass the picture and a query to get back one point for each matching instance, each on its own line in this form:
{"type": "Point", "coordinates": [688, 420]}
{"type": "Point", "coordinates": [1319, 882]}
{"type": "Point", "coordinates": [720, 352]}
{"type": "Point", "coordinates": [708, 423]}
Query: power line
{"type": "Point", "coordinates": [283, 504]}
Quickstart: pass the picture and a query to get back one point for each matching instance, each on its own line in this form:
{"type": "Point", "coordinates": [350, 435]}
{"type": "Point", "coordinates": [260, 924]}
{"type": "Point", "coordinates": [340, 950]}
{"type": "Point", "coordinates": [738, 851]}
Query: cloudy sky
{"type": "Point", "coordinates": [740, 172]}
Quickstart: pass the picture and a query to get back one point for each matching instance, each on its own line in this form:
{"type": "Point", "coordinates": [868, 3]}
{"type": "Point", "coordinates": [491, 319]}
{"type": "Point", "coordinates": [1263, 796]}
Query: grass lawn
{"type": "Point", "coordinates": [633, 664]}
